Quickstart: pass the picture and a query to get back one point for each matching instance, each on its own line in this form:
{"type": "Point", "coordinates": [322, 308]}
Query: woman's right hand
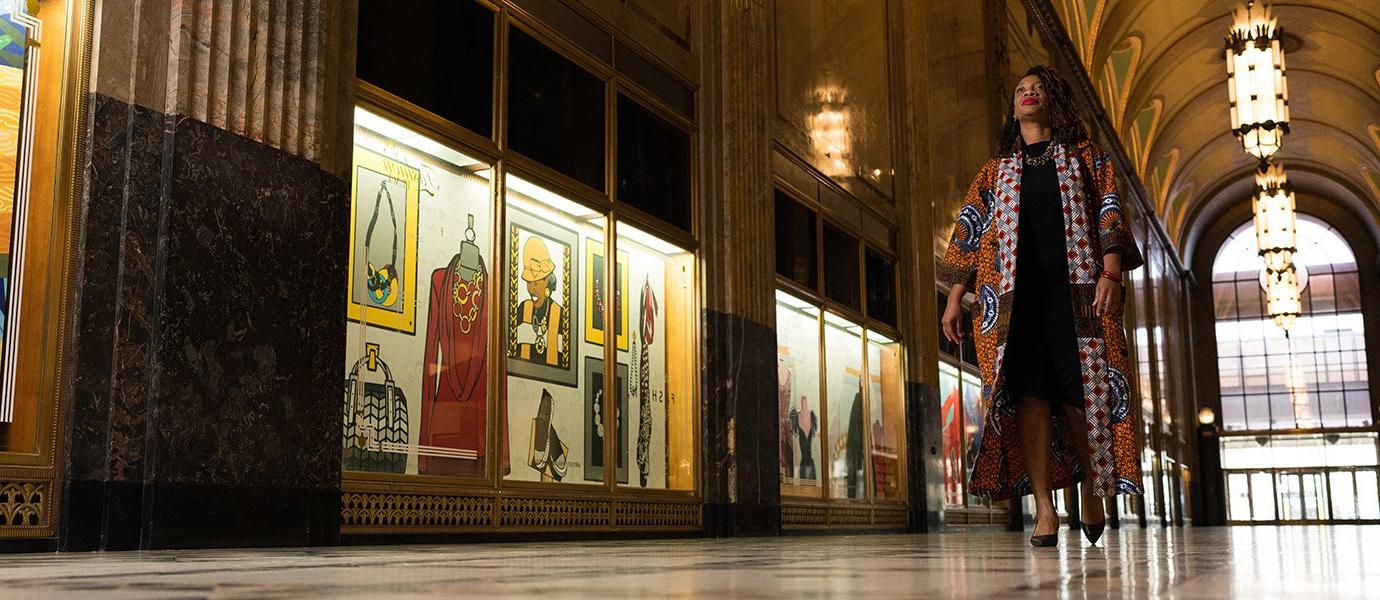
{"type": "Point", "coordinates": [952, 322]}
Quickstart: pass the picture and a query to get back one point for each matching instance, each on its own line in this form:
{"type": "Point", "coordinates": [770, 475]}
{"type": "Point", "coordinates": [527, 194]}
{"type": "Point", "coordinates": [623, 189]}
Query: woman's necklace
{"type": "Point", "coordinates": [1043, 157]}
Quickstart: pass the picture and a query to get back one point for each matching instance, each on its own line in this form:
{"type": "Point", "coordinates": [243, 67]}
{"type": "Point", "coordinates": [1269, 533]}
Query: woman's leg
{"type": "Point", "coordinates": [1033, 421]}
{"type": "Point", "coordinates": [1092, 512]}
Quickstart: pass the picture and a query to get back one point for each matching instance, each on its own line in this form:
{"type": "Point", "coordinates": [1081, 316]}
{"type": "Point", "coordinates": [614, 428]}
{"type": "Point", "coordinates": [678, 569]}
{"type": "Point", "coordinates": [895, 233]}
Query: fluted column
{"type": "Point", "coordinates": [205, 403]}
{"type": "Point", "coordinates": [741, 451]}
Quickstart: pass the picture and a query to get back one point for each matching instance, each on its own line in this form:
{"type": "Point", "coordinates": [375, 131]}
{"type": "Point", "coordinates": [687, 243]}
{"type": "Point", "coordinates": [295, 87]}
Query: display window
{"type": "Point", "coordinates": [847, 425]}
{"type": "Point", "coordinates": [973, 410]}
{"type": "Point", "coordinates": [798, 394]}
{"type": "Point", "coordinates": [658, 316]}
{"type": "Point", "coordinates": [887, 419]}
{"type": "Point", "coordinates": [555, 402]}
{"type": "Point", "coordinates": [418, 305]}
{"type": "Point", "coordinates": [951, 413]}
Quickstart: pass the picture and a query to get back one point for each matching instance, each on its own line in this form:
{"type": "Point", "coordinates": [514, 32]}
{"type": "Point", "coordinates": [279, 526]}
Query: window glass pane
{"type": "Point", "coordinates": [438, 32]}
{"type": "Point", "coordinates": [951, 415]}
{"type": "Point", "coordinates": [795, 242]}
{"type": "Point", "coordinates": [843, 366]}
{"type": "Point", "coordinates": [798, 394]}
{"type": "Point", "coordinates": [653, 164]}
{"type": "Point", "coordinates": [1367, 496]}
{"type": "Point", "coordinates": [417, 393]}
{"type": "Point", "coordinates": [841, 267]}
{"type": "Point", "coordinates": [555, 110]}
{"type": "Point", "coordinates": [881, 288]}
{"type": "Point", "coordinates": [1343, 486]}
{"type": "Point", "coordinates": [1262, 496]}
{"type": "Point", "coordinates": [661, 318]}
{"type": "Point", "coordinates": [556, 394]}
{"type": "Point", "coordinates": [1238, 497]}
{"type": "Point", "coordinates": [973, 424]}
{"type": "Point", "coordinates": [887, 417]}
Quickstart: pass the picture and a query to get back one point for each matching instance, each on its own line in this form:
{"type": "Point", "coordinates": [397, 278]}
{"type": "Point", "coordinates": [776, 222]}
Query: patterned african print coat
{"type": "Point", "coordinates": [982, 256]}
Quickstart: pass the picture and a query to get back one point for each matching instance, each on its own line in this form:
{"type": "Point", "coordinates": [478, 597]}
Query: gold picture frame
{"type": "Point", "coordinates": [389, 306]}
{"type": "Point", "coordinates": [594, 274]}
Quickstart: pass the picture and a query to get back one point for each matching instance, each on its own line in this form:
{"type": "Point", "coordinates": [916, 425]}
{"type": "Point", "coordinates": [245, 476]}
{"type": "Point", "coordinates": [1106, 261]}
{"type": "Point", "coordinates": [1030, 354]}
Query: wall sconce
{"type": "Point", "coordinates": [1206, 416]}
{"type": "Point", "coordinates": [1256, 84]}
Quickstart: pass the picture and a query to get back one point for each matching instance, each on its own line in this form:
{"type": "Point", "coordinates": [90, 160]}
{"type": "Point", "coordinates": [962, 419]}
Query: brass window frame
{"type": "Point", "coordinates": [49, 257]}
{"type": "Point", "coordinates": [493, 503]}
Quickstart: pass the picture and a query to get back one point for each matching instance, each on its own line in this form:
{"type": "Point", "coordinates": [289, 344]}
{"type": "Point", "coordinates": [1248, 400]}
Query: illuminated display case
{"type": "Point", "coordinates": [521, 332]}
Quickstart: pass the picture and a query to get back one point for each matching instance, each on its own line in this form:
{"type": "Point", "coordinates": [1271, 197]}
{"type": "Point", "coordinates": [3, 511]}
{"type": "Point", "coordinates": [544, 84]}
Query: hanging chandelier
{"type": "Point", "coordinates": [1276, 235]}
{"type": "Point", "coordinates": [1283, 297]}
{"type": "Point", "coordinates": [1256, 82]}
{"type": "Point", "coordinates": [830, 132]}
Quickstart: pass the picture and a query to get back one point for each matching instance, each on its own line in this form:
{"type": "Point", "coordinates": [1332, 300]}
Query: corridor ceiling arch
{"type": "Point", "coordinates": [1188, 158]}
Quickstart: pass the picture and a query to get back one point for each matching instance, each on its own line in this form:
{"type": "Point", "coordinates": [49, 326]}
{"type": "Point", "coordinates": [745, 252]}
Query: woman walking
{"type": "Point", "coordinates": [1042, 241]}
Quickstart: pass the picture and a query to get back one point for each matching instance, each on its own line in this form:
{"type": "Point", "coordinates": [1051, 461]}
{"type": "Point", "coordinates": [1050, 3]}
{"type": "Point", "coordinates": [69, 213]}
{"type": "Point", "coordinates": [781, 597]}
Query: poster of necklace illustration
{"type": "Point", "coordinates": [843, 366]}
{"type": "Point", "coordinates": [647, 359]}
{"type": "Point", "coordinates": [383, 242]}
{"type": "Point", "coordinates": [797, 367]}
{"type": "Point", "coordinates": [429, 379]}
{"type": "Point", "coordinates": [542, 312]}
{"type": "Point", "coordinates": [596, 407]}
{"type": "Point", "coordinates": [594, 295]}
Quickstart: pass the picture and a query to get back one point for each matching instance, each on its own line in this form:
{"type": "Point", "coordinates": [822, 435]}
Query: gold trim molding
{"type": "Point", "coordinates": [368, 511]}
{"type": "Point", "coordinates": [24, 508]}
{"type": "Point", "coordinates": [834, 516]}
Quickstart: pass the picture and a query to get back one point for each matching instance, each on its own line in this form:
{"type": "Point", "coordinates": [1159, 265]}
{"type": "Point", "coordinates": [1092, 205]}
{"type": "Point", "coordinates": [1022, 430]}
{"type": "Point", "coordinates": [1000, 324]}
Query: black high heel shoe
{"type": "Point", "coordinates": [1093, 531]}
{"type": "Point", "coordinates": [1044, 541]}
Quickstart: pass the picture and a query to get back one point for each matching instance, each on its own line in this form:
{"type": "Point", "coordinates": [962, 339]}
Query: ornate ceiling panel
{"type": "Point", "coordinates": [1168, 98]}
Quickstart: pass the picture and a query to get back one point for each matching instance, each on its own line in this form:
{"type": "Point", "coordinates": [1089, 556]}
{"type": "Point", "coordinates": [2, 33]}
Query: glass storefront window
{"type": "Point", "coordinates": [843, 368]}
{"type": "Point", "coordinates": [951, 413]}
{"type": "Point", "coordinates": [973, 411]}
{"type": "Point", "coordinates": [798, 394]}
{"type": "Point", "coordinates": [438, 31]}
{"type": "Point", "coordinates": [555, 385]}
{"type": "Point", "coordinates": [555, 110]}
{"type": "Point", "coordinates": [416, 385]}
{"type": "Point", "coordinates": [655, 313]}
{"type": "Point", "coordinates": [653, 164]}
{"type": "Point", "coordinates": [887, 419]}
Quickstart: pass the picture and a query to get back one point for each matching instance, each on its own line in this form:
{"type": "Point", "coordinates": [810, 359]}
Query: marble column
{"type": "Point", "coordinates": [741, 477]}
{"type": "Point", "coordinates": [205, 401]}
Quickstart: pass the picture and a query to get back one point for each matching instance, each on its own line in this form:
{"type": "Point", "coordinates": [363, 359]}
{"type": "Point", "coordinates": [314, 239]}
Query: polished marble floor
{"type": "Point", "coordinates": [1244, 562]}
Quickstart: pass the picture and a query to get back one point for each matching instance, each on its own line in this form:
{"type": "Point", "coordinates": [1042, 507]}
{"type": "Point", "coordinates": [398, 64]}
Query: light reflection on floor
{"type": "Point", "coordinates": [1244, 562]}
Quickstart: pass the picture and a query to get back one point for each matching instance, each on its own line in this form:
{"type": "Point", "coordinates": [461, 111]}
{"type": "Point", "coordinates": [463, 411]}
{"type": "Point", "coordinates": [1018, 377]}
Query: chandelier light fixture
{"type": "Point", "coordinates": [829, 126]}
{"type": "Point", "coordinates": [1276, 234]}
{"type": "Point", "coordinates": [1256, 81]}
{"type": "Point", "coordinates": [1283, 298]}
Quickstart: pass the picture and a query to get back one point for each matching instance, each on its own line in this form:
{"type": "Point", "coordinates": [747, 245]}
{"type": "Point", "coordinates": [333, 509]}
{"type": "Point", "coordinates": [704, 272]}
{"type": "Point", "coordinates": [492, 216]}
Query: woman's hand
{"type": "Point", "coordinates": [1107, 298]}
{"type": "Point", "coordinates": [952, 323]}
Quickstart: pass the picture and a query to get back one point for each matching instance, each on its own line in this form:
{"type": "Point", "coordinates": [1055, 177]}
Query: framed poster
{"type": "Point", "coordinates": [595, 408]}
{"type": "Point", "coordinates": [594, 295]}
{"type": "Point", "coordinates": [383, 242]}
{"type": "Point", "coordinates": [542, 312]}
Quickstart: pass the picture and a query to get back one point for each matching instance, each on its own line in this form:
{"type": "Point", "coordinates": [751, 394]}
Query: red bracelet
{"type": "Point", "coordinates": [1112, 276]}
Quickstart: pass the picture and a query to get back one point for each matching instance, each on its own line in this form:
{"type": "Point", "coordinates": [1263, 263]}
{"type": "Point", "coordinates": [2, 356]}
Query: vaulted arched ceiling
{"type": "Point", "coordinates": [1160, 67]}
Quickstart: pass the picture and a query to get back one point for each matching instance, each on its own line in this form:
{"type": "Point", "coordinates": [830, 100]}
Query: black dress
{"type": "Point", "coordinates": [1041, 350]}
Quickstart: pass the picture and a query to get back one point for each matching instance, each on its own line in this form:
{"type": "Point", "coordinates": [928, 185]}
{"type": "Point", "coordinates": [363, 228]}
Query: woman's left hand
{"type": "Point", "coordinates": [1108, 296]}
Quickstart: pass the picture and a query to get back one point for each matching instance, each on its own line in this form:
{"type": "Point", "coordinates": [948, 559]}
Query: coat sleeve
{"type": "Point", "coordinates": [958, 266]}
{"type": "Point", "coordinates": [1113, 231]}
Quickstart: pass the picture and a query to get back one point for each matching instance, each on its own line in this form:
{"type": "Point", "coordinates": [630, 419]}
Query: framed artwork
{"type": "Point", "coordinates": [595, 407]}
{"type": "Point", "coordinates": [542, 312]}
{"type": "Point", "coordinates": [383, 242]}
{"type": "Point", "coordinates": [594, 295]}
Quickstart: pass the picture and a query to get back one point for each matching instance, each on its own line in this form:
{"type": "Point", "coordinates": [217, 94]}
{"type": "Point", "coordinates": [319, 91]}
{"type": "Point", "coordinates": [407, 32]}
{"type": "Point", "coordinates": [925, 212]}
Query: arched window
{"type": "Point", "coordinates": [1315, 377]}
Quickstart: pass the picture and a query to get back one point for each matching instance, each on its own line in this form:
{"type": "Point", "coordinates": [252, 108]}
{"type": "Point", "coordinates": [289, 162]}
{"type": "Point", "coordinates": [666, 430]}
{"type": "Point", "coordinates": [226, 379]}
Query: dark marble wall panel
{"type": "Point", "coordinates": [741, 476]}
{"type": "Point", "coordinates": [924, 464]}
{"type": "Point", "coordinates": [252, 326]}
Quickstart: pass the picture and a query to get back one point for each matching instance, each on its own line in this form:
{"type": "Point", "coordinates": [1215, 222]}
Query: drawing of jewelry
{"type": "Point", "coordinates": [383, 281]}
{"type": "Point", "coordinates": [467, 294]}
{"type": "Point", "coordinates": [647, 311]}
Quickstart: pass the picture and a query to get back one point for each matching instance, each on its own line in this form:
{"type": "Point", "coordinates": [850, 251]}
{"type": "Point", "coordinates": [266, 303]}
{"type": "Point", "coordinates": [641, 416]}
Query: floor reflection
{"type": "Point", "coordinates": [1249, 562]}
